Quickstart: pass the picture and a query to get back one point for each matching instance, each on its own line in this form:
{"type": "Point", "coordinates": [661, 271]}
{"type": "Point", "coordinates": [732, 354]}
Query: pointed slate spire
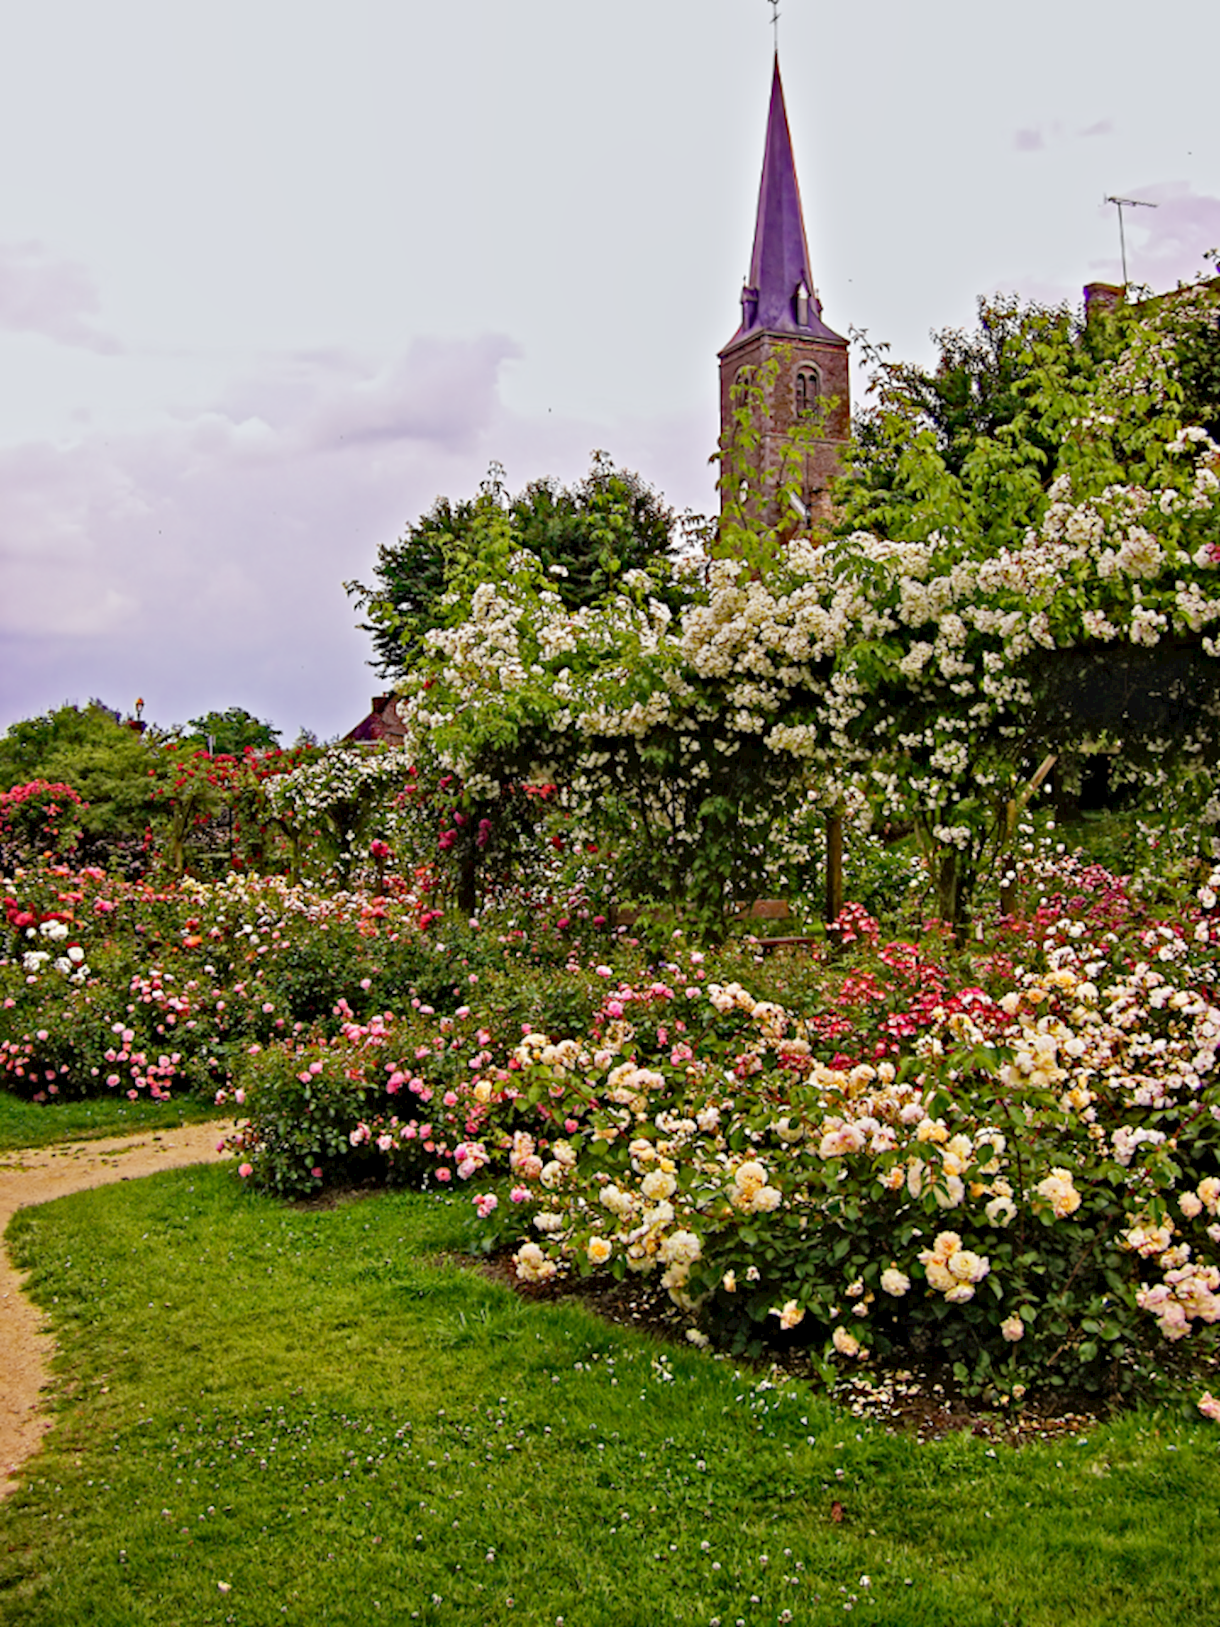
{"type": "Point", "coordinates": [779, 297]}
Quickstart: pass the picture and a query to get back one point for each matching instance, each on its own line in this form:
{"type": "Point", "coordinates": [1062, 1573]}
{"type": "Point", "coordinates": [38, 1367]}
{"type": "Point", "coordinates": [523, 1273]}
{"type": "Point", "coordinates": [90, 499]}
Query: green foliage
{"type": "Point", "coordinates": [108, 763]}
{"type": "Point", "coordinates": [586, 538]}
{"type": "Point", "coordinates": [762, 505]}
{"type": "Point", "coordinates": [1195, 318]}
{"type": "Point", "coordinates": [230, 733]}
{"type": "Point", "coordinates": [972, 446]}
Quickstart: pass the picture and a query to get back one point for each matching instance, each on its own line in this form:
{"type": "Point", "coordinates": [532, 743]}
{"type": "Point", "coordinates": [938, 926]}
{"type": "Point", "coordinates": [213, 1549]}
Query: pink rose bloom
{"type": "Point", "coordinates": [444, 1175]}
{"type": "Point", "coordinates": [245, 1169]}
{"type": "Point", "coordinates": [519, 1194]}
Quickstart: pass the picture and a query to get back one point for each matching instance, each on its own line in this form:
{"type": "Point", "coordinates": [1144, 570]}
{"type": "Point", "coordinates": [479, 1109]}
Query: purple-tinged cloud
{"type": "Point", "coordinates": [1035, 138]}
{"type": "Point", "coordinates": [1166, 244]}
{"type": "Point", "coordinates": [54, 298]}
{"type": "Point", "coordinates": [200, 563]}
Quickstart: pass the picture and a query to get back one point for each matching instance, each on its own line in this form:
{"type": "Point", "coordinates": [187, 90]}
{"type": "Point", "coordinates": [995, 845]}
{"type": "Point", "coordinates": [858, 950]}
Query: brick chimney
{"type": "Point", "coordinates": [1102, 298]}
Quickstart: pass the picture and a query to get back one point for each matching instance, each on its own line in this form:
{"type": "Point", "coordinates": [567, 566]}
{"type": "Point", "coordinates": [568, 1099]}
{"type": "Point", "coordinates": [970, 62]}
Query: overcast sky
{"type": "Point", "coordinates": [275, 273]}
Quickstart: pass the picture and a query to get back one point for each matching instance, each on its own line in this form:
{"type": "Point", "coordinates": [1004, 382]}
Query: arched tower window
{"type": "Point", "coordinates": [808, 389]}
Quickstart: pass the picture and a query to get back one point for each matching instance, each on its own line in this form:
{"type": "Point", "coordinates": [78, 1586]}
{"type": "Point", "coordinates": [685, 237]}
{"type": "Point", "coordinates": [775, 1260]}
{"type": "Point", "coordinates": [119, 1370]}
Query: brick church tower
{"type": "Point", "coordinates": [781, 320]}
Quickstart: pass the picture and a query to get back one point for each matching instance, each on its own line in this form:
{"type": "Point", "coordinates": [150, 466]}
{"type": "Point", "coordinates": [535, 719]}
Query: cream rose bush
{"type": "Point", "coordinates": [1018, 1181]}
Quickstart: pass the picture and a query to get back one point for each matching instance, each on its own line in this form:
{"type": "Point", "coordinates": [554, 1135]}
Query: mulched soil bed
{"type": "Point", "coordinates": [920, 1400]}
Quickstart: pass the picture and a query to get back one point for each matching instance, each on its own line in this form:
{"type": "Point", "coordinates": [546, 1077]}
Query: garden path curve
{"type": "Point", "coordinates": [37, 1175]}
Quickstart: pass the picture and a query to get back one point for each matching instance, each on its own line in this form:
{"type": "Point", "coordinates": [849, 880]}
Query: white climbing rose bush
{"type": "Point", "coordinates": [911, 669]}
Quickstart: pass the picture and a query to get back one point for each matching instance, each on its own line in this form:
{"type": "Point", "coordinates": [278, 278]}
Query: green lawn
{"type": "Point", "coordinates": [41, 1124]}
{"type": "Point", "coordinates": [269, 1414]}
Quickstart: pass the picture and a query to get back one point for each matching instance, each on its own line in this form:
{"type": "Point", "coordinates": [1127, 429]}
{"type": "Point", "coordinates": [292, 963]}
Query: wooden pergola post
{"type": "Point", "coordinates": [834, 866]}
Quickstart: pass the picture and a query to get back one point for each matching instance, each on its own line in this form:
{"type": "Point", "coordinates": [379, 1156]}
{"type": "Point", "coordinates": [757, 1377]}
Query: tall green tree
{"type": "Point", "coordinates": [106, 761]}
{"type": "Point", "coordinates": [231, 733]}
{"type": "Point", "coordinates": [586, 537]}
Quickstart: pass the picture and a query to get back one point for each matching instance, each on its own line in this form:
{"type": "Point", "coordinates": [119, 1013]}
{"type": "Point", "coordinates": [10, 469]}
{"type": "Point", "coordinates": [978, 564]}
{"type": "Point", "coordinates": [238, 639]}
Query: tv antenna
{"type": "Point", "coordinates": [1128, 203]}
{"type": "Point", "coordinates": [774, 4]}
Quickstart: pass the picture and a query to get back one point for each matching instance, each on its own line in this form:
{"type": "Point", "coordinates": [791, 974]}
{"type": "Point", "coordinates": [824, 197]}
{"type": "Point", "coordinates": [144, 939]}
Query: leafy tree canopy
{"type": "Point", "coordinates": [586, 537]}
{"type": "Point", "coordinates": [103, 759]}
{"type": "Point", "coordinates": [973, 445]}
{"type": "Point", "coordinates": [231, 732]}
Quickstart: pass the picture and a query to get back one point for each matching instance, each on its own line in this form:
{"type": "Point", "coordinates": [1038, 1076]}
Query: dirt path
{"type": "Point", "coordinates": [37, 1176]}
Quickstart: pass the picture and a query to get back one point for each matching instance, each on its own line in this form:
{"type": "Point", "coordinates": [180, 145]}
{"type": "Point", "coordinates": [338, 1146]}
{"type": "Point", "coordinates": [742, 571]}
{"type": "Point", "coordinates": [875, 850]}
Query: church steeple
{"type": "Point", "coordinates": [781, 317]}
{"type": "Point", "coordinates": [778, 295]}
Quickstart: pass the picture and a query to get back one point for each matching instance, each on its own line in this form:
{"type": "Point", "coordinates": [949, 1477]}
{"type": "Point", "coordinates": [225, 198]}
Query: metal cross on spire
{"type": "Point", "coordinates": [774, 4]}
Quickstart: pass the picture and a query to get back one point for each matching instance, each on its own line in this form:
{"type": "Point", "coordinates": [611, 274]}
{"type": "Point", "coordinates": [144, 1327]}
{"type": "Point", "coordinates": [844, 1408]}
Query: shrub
{"type": "Point", "coordinates": [1027, 1184]}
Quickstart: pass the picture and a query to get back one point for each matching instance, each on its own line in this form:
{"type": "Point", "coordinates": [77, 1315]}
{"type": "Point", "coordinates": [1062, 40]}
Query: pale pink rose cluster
{"type": "Point", "coordinates": [1060, 1193]}
{"type": "Point", "coordinates": [470, 1157]}
{"type": "Point", "coordinates": [790, 1315]}
{"type": "Point", "coordinates": [1188, 1293]}
{"type": "Point", "coordinates": [953, 1270]}
{"type": "Point", "coordinates": [522, 1158]}
{"type": "Point", "coordinates": [1147, 1237]}
{"type": "Point", "coordinates": [751, 1190]}
{"type": "Point", "coordinates": [532, 1264]}
{"type": "Point", "coordinates": [848, 1345]}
